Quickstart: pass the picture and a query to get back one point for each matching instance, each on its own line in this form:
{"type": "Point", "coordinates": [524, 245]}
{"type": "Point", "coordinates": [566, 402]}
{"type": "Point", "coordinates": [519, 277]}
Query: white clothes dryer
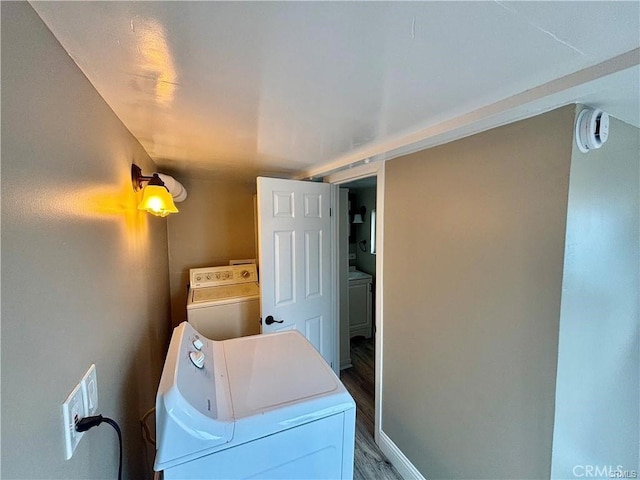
{"type": "Point", "coordinates": [261, 407]}
{"type": "Point", "coordinates": [224, 302]}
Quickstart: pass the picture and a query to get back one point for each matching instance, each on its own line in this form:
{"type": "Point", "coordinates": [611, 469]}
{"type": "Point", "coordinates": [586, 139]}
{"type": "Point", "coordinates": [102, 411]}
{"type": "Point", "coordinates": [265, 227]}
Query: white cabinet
{"type": "Point", "coordinates": [360, 320]}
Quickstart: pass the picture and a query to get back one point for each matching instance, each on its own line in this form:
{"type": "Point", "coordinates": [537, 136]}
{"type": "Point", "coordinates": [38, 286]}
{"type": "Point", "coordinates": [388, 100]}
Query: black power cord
{"type": "Point", "coordinates": [87, 423]}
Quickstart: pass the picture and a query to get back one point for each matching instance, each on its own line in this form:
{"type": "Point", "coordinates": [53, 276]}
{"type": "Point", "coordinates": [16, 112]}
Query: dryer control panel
{"type": "Point", "coordinates": [227, 275]}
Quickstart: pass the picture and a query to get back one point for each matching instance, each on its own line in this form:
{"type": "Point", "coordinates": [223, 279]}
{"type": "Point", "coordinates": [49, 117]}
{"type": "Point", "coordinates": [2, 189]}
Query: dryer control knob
{"type": "Point", "coordinates": [197, 358]}
{"type": "Point", "coordinates": [198, 344]}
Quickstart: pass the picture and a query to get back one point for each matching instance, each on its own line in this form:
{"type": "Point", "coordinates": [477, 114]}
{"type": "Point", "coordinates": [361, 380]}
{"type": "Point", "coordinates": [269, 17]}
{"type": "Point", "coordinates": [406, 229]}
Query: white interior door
{"type": "Point", "coordinates": [294, 237]}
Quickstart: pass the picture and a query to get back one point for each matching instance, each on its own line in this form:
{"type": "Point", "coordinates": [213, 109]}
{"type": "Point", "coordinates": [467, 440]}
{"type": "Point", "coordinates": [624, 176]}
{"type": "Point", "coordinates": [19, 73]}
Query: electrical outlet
{"type": "Point", "coordinates": [89, 385]}
{"type": "Point", "coordinates": [72, 411]}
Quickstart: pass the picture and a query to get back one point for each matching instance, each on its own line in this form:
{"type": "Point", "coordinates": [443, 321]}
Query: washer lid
{"type": "Point", "coordinates": [224, 294]}
{"type": "Point", "coordinates": [277, 370]}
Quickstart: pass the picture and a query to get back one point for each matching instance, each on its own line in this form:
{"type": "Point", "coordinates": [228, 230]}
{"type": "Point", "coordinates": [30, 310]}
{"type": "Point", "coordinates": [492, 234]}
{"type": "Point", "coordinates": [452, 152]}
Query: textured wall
{"type": "Point", "coordinates": [474, 244]}
{"type": "Point", "coordinates": [84, 274]}
{"type": "Point", "coordinates": [597, 393]}
{"type": "Point", "coordinates": [215, 225]}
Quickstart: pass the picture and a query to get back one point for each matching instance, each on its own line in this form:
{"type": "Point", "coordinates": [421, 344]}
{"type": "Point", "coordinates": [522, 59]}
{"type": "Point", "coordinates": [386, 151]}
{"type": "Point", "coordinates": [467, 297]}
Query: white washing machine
{"type": "Point", "coordinates": [224, 302]}
{"type": "Point", "coordinates": [265, 406]}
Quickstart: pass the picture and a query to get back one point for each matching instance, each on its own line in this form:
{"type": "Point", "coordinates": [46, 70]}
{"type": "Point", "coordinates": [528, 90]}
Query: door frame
{"type": "Point", "coordinates": [373, 169]}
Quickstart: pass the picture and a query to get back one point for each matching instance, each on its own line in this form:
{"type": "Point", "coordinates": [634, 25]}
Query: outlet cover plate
{"type": "Point", "coordinates": [72, 411]}
{"type": "Point", "coordinates": [89, 385]}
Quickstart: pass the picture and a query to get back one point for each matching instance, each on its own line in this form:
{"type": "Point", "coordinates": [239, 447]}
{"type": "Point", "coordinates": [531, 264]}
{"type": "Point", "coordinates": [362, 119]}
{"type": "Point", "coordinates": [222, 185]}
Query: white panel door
{"type": "Point", "coordinates": [295, 260]}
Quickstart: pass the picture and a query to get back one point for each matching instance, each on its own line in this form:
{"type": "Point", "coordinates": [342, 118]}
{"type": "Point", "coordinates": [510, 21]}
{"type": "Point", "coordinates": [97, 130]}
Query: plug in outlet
{"type": "Point", "coordinates": [72, 411]}
{"type": "Point", "coordinates": [89, 385]}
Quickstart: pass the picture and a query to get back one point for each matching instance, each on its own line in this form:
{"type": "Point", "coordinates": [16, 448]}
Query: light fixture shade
{"type": "Point", "coordinates": [357, 218]}
{"type": "Point", "coordinates": [157, 200]}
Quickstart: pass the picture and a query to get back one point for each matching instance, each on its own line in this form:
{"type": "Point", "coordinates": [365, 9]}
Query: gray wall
{"type": "Point", "coordinates": [597, 393]}
{"type": "Point", "coordinates": [474, 244]}
{"type": "Point", "coordinates": [84, 274]}
{"type": "Point", "coordinates": [215, 225]}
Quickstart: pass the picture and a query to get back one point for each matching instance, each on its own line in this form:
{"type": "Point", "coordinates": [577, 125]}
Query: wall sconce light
{"type": "Point", "coordinates": [357, 218]}
{"type": "Point", "coordinates": [159, 193]}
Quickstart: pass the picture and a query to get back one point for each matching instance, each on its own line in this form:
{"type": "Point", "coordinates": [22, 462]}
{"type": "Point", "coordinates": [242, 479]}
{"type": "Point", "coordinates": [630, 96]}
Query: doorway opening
{"type": "Point", "coordinates": [357, 270]}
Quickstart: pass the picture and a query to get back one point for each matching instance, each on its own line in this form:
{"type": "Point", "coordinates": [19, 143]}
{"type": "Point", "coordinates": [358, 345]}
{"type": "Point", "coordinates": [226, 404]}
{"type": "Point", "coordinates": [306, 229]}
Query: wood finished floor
{"type": "Point", "coordinates": [370, 463]}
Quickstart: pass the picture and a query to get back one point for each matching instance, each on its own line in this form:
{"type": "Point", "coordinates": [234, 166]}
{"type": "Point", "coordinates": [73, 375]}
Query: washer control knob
{"type": "Point", "coordinates": [198, 343]}
{"type": "Point", "coordinates": [245, 274]}
{"type": "Point", "coordinates": [197, 358]}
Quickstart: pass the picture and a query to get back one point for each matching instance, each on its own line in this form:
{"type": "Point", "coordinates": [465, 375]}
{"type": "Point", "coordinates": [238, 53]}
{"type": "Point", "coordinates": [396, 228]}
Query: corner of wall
{"type": "Point", "coordinates": [599, 349]}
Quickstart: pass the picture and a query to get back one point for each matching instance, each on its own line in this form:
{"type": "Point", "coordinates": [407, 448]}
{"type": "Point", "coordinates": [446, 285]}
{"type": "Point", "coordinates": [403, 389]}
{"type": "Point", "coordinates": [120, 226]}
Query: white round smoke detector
{"type": "Point", "coordinates": [592, 129]}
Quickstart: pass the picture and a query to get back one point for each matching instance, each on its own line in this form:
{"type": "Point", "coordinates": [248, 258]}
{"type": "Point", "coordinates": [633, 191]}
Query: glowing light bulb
{"type": "Point", "coordinates": [157, 201]}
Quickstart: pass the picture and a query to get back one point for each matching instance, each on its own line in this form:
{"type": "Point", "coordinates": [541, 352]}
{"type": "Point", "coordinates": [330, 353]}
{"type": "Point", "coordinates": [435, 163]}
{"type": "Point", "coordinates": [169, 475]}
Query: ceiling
{"type": "Point", "coordinates": [285, 88]}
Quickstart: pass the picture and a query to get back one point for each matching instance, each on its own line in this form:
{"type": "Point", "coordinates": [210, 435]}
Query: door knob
{"type": "Point", "coordinates": [269, 320]}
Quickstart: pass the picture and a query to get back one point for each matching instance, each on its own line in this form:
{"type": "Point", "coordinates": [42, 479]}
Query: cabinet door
{"type": "Point", "coordinates": [359, 309]}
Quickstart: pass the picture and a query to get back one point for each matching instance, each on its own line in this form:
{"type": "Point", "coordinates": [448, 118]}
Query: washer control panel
{"type": "Point", "coordinates": [227, 275]}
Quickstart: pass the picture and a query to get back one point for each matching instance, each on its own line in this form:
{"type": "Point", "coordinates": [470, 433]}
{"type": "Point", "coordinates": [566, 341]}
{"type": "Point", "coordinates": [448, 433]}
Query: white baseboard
{"type": "Point", "coordinates": [397, 458]}
{"type": "Point", "coordinates": [345, 365]}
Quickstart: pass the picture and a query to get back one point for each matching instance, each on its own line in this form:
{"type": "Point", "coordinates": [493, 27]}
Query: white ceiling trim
{"type": "Point", "coordinates": [545, 97]}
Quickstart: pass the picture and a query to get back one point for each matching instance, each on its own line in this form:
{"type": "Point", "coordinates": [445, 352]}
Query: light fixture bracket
{"type": "Point", "coordinates": [137, 178]}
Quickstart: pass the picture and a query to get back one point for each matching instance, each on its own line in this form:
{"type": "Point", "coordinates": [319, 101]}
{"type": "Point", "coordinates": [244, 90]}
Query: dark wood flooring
{"type": "Point", "coordinates": [370, 463]}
